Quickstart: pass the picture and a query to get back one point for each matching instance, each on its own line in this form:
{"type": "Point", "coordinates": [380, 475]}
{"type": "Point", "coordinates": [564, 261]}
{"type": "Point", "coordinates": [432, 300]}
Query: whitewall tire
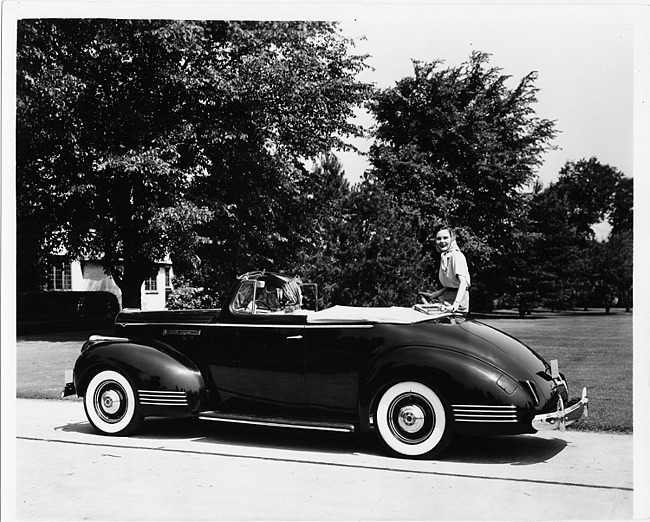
{"type": "Point", "coordinates": [111, 405]}
{"type": "Point", "coordinates": [411, 421]}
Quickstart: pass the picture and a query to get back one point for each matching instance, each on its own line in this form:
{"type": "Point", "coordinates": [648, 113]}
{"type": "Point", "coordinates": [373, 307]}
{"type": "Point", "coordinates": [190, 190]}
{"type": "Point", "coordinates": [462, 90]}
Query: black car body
{"type": "Point", "coordinates": [413, 375]}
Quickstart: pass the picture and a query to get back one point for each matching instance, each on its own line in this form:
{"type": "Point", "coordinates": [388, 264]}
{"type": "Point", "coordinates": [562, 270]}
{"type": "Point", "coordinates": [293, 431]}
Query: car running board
{"type": "Point", "coordinates": [263, 420]}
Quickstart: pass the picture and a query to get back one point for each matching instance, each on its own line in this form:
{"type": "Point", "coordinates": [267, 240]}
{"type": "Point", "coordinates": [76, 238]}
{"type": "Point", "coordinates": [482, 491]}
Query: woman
{"type": "Point", "coordinates": [453, 273]}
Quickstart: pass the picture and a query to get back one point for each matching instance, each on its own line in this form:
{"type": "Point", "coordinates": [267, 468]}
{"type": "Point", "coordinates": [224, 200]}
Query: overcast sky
{"type": "Point", "coordinates": [582, 54]}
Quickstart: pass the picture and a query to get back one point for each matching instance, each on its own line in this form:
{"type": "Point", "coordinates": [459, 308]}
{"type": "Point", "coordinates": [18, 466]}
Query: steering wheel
{"type": "Point", "coordinates": [262, 304]}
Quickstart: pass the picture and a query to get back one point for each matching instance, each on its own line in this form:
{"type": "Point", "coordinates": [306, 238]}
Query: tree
{"type": "Point", "coordinates": [612, 270]}
{"type": "Point", "coordinates": [372, 255]}
{"type": "Point", "coordinates": [556, 259]}
{"type": "Point", "coordinates": [590, 189]}
{"type": "Point", "coordinates": [459, 145]}
{"type": "Point", "coordinates": [622, 210]}
{"type": "Point", "coordinates": [562, 216]}
{"type": "Point", "coordinates": [139, 138]}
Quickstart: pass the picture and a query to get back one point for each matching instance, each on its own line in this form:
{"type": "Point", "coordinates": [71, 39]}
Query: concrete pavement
{"type": "Point", "coordinates": [198, 470]}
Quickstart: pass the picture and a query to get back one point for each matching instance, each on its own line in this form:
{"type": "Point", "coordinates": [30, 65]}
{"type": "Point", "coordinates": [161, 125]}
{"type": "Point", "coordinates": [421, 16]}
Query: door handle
{"type": "Point", "coordinates": [295, 337]}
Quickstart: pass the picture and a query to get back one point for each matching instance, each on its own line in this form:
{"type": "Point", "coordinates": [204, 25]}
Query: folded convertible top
{"type": "Point", "coordinates": [357, 314]}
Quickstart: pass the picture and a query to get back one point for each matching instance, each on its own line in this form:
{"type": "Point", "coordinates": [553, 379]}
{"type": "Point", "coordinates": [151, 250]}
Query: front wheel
{"type": "Point", "coordinates": [411, 421]}
{"type": "Point", "coordinates": [110, 404]}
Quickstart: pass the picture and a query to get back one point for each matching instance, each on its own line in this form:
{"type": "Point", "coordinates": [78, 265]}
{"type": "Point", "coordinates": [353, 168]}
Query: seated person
{"type": "Point", "coordinates": [290, 295]}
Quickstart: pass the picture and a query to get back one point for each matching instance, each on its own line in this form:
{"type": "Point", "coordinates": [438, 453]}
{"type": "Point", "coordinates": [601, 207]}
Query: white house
{"type": "Point", "coordinates": [89, 276]}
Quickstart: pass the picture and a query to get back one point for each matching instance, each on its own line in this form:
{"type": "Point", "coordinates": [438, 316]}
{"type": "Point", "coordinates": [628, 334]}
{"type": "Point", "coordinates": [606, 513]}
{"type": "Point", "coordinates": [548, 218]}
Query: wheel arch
{"type": "Point", "coordinates": [456, 377]}
{"type": "Point", "coordinates": [175, 383]}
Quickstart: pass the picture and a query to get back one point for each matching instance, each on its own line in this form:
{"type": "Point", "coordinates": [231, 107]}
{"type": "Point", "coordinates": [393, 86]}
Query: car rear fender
{"type": "Point", "coordinates": [165, 381]}
{"type": "Point", "coordinates": [456, 377]}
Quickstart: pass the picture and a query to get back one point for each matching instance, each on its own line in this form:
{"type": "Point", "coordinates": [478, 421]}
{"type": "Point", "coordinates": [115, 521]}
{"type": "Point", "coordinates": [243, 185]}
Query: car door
{"type": "Point", "coordinates": [334, 357]}
{"type": "Point", "coordinates": [257, 363]}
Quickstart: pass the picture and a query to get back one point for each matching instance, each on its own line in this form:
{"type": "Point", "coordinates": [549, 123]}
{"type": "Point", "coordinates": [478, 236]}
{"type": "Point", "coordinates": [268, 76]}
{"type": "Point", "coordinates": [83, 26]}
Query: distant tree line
{"type": "Point", "coordinates": [138, 139]}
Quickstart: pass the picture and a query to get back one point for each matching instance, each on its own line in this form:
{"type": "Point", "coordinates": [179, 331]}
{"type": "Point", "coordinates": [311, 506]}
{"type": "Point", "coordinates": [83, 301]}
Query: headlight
{"type": "Point", "coordinates": [507, 384]}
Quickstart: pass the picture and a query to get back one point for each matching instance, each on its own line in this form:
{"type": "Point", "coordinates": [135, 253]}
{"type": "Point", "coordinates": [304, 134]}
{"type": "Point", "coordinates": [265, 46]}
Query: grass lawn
{"type": "Point", "coordinates": [593, 350]}
{"type": "Point", "coordinates": [41, 361]}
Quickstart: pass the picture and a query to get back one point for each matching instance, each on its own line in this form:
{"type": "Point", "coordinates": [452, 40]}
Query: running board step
{"type": "Point", "coordinates": [262, 420]}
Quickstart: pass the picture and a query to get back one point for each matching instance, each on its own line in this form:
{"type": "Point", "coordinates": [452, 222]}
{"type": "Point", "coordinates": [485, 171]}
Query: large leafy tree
{"type": "Point", "coordinates": [566, 252]}
{"type": "Point", "coordinates": [139, 138]}
{"type": "Point", "coordinates": [373, 256]}
{"type": "Point", "coordinates": [458, 144]}
{"type": "Point", "coordinates": [590, 189]}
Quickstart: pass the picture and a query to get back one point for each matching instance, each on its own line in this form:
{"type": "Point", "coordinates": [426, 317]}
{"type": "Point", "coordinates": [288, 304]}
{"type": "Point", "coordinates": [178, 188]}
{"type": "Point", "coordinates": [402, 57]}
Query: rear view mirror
{"type": "Point", "coordinates": [260, 284]}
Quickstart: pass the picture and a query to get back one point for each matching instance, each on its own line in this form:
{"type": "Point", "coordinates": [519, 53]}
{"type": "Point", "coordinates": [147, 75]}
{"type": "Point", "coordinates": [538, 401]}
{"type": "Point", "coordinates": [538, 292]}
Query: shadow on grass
{"type": "Point", "coordinates": [520, 450]}
{"type": "Point", "coordinates": [546, 314]}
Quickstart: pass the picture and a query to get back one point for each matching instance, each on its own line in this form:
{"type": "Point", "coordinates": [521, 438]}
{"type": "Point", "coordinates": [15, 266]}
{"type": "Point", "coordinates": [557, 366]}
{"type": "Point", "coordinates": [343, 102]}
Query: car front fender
{"type": "Point", "coordinates": [166, 382]}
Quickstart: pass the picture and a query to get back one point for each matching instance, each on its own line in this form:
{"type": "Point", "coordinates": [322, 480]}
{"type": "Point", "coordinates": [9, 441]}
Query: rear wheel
{"type": "Point", "coordinates": [411, 421]}
{"type": "Point", "coordinates": [110, 404]}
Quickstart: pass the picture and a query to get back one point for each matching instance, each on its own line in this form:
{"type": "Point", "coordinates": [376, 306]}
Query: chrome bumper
{"type": "Point", "coordinates": [563, 417]}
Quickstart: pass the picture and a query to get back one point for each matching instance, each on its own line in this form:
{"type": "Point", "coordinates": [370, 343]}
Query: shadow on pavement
{"type": "Point", "coordinates": [516, 450]}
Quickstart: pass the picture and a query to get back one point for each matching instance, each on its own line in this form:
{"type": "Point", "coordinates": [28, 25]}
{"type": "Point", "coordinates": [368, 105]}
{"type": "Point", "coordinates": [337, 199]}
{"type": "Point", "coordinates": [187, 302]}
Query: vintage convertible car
{"type": "Point", "coordinates": [416, 376]}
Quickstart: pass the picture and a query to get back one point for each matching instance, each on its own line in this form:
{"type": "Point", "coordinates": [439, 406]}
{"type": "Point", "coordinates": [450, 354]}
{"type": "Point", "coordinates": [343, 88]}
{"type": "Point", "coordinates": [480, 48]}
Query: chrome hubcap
{"type": "Point", "coordinates": [111, 401]}
{"type": "Point", "coordinates": [411, 418]}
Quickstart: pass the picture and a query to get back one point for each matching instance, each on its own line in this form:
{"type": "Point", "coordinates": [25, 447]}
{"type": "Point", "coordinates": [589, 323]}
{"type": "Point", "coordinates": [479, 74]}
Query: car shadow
{"type": "Point", "coordinates": [514, 450]}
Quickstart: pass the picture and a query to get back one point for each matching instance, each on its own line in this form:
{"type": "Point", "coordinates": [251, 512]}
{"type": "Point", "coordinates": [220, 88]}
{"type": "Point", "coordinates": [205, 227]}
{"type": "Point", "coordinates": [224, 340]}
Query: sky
{"type": "Point", "coordinates": [583, 55]}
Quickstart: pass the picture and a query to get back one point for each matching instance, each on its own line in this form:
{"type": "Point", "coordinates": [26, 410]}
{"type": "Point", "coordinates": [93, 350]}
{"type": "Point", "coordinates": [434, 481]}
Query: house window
{"type": "Point", "coordinates": [151, 284]}
{"type": "Point", "coordinates": [59, 277]}
{"type": "Point", "coordinates": [168, 278]}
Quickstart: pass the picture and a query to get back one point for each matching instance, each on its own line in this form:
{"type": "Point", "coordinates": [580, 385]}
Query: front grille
{"type": "Point", "coordinates": [162, 398]}
{"type": "Point", "coordinates": [476, 413]}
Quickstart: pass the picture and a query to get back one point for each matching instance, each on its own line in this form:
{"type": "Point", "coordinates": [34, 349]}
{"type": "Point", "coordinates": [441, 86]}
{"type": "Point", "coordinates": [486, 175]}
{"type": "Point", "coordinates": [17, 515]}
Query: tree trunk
{"type": "Point", "coordinates": [523, 307]}
{"type": "Point", "coordinates": [131, 294]}
{"type": "Point", "coordinates": [130, 282]}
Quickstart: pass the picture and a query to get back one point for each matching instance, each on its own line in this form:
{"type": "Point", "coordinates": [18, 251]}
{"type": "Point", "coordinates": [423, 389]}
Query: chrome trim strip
{"type": "Point", "coordinates": [484, 406]}
{"type": "Point", "coordinates": [485, 416]}
{"type": "Point", "coordinates": [485, 409]}
{"type": "Point", "coordinates": [245, 325]}
{"type": "Point", "coordinates": [164, 392]}
{"type": "Point", "coordinates": [341, 325]}
{"type": "Point", "coordinates": [181, 332]}
{"type": "Point", "coordinates": [162, 398]}
{"type": "Point", "coordinates": [485, 420]}
{"type": "Point", "coordinates": [162, 403]}
{"type": "Point", "coordinates": [484, 413]}
{"type": "Point", "coordinates": [279, 424]}
{"type": "Point", "coordinates": [99, 338]}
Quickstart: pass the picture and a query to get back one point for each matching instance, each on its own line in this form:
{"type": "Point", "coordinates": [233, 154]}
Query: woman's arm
{"type": "Point", "coordinates": [462, 288]}
{"type": "Point", "coordinates": [429, 296]}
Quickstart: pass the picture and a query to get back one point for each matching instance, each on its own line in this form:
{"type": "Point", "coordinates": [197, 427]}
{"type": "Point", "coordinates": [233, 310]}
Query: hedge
{"type": "Point", "coordinates": [53, 306]}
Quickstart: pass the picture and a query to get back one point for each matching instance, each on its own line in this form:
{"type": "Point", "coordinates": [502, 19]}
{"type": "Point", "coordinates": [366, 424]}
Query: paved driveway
{"type": "Point", "coordinates": [197, 470]}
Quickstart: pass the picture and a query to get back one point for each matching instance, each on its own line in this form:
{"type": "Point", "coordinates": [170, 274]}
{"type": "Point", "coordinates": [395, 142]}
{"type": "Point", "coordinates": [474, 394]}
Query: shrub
{"type": "Point", "coordinates": [189, 298]}
{"type": "Point", "coordinates": [52, 306]}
